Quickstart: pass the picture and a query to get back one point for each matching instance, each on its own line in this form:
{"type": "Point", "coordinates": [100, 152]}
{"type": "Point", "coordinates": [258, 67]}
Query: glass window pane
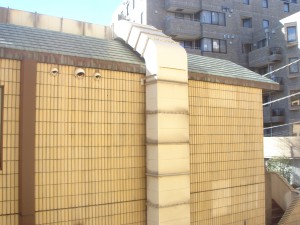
{"type": "Point", "coordinates": [265, 23]}
{"type": "Point", "coordinates": [215, 18]}
{"type": "Point", "coordinates": [222, 19]}
{"type": "Point", "coordinates": [216, 45]}
{"type": "Point", "coordinates": [206, 17]}
{"type": "Point", "coordinates": [265, 3]}
{"type": "Point", "coordinates": [206, 45]}
{"type": "Point", "coordinates": [223, 46]}
{"type": "Point", "coordinates": [286, 7]}
{"type": "Point", "coordinates": [247, 23]}
{"type": "Point", "coordinates": [291, 34]}
{"type": "Point", "coordinates": [294, 68]}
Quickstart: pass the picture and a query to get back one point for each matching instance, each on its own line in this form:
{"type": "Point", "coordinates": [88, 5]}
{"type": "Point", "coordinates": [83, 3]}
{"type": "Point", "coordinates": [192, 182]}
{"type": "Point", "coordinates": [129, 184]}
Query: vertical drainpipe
{"type": "Point", "coordinates": [167, 123]}
{"type": "Point", "coordinates": [27, 142]}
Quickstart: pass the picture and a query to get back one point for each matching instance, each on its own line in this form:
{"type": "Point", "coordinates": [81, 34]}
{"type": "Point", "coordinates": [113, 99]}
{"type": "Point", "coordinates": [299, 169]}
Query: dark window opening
{"type": "Point", "coordinates": [247, 22]}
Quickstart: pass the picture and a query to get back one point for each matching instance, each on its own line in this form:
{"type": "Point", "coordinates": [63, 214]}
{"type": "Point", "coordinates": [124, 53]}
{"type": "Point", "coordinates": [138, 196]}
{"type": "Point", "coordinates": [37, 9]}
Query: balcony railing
{"type": "Point", "coordinates": [184, 6]}
{"type": "Point", "coordinates": [264, 56]}
{"type": "Point", "coordinates": [182, 28]}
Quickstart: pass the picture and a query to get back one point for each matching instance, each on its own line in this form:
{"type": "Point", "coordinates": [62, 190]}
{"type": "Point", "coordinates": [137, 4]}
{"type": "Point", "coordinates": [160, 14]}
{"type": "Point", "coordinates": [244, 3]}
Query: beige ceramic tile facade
{"type": "Point", "coordinates": [227, 169]}
{"type": "Point", "coordinates": [90, 148]}
{"type": "Point", "coordinates": [10, 79]}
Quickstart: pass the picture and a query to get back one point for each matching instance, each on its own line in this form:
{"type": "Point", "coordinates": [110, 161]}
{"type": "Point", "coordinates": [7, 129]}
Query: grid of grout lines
{"type": "Point", "coordinates": [227, 168]}
{"type": "Point", "coordinates": [90, 148]}
{"type": "Point", "coordinates": [10, 80]}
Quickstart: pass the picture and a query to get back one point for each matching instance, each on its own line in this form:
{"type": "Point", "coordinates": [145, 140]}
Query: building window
{"type": "Point", "coordinates": [295, 100]}
{"type": "Point", "coordinates": [265, 4]}
{"type": "Point", "coordinates": [246, 2]}
{"type": "Point", "coordinates": [186, 44]}
{"type": "Point", "coordinates": [291, 34]}
{"type": "Point", "coordinates": [215, 18]}
{"type": "Point", "coordinates": [246, 48]}
{"type": "Point", "coordinates": [213, 45]}
{"type": "Point", "coordinates": [179, 15]}
{"type": "Point", "coordinates": [286, 7]}
{"type": "Point", "coordinates": [262, 43]}
{"type": "Point", "coordinates": [1, 119]}
{"type": "Point", "coordinates": [294, 68]}
{"type": "Point", "coordinates": [266, 24]}
{"type": "Point", "coordinates": [247, 22]}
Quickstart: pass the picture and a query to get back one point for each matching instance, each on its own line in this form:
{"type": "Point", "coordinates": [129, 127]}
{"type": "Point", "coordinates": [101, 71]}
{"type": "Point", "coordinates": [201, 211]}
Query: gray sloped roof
{"type": "Point", "coordinates": [223, 68]}
{"type": "Point", "coordinates": [39, 40]}
{"type": "Point", "coordinates": [46, 41]}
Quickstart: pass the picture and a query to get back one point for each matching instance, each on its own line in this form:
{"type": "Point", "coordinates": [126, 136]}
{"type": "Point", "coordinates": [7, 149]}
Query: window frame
{"type": "Point", "coordinates": [247, 19]}
{"type": "Point", "coordinates": [296, 106]}
{"type": "Point", "coordinates": [246, 2]}
{"type": "Point", "coordinates": [212, 17]}
{"type": "Point", "coordinates": [287, 34]}
{"type": "Point", "coordinates": [290, 61]}
{"type": "Point", "coordinates": [221, 44]}
{"type": "Point", "coordinates": [286, 7]}
{"type": "Point", "coordinates": [265, 4]}
{"type": "Point", "coordinates": [179, 15]}
{"type": "Point", "coordinates": [1, 125]}
{"type": "Point", "coordinates": [267, 22]}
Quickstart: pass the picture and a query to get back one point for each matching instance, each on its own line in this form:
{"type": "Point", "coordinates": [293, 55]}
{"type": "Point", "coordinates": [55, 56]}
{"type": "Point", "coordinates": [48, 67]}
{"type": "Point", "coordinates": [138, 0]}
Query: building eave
{"type": "Point", "coordinates": [233, 81]}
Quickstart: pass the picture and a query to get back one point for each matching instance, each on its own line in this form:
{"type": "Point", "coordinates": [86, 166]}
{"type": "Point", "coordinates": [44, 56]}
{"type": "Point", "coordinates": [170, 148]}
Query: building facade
{"type": "Point", "coordinates": [94, 134]}
{"type": "Point", "coordinates": [282, 48]}
{"type": "Point", "coordinates": [247, 32]}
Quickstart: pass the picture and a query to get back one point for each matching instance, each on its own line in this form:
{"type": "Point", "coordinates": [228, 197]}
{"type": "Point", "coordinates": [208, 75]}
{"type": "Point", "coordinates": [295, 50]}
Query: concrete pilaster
{"type": "Point", "coordinates": [168, 170]}
{"type": "Point", "coordinates": [167, 123]}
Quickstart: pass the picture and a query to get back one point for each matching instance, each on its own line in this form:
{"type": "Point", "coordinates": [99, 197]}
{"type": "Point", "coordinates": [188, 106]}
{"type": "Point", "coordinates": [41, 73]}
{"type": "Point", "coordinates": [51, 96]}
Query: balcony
{"type": "Point", "coordinates": [182, 28]}
{"type": "Point", "coordinates": [278, 80]}
{"type": "Point", "coordinates": [264, 56]}
{"type": "Point", "coordinates": [274, 116]}
{"type": "Point", "coordinates": [183, 6]}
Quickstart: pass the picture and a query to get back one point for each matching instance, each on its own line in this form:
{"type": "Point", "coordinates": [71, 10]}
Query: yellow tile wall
{"type": "Point", "coordinates": [90, 148]}
{"type": "Point", "coordinates": [226, 151]}
{"type": "Point", "coordinates": [10, 79]}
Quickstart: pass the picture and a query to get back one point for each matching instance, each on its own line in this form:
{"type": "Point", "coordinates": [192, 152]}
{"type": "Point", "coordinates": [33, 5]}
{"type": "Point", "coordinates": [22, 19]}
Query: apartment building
{"type": "Point", "coordinates": [247, 32]}
{"type": "Point", "coordinates": [281, 48]}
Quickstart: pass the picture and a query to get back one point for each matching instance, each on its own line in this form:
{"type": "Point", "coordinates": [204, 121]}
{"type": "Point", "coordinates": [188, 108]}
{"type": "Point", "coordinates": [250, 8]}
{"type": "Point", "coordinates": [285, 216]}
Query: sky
{"type": "Point", "coordinates": [92, 11]}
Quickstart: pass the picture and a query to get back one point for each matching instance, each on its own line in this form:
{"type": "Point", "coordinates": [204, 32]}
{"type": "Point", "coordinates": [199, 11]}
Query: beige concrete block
{"type": "Point", "coordinates": [173, 67]}
{"type": "Point", "coordinates": [167, 97]}
{"type": "Point", "coordinates": [167, 127]}
{"type": "Point", "coordinates": [168, 158]}
{"type": "Point", "coordinates": [176, 215]}
{"type": "Point", "coordinates": [151, 97]}
{"type": "Point", "coordinates": [168, 190]}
